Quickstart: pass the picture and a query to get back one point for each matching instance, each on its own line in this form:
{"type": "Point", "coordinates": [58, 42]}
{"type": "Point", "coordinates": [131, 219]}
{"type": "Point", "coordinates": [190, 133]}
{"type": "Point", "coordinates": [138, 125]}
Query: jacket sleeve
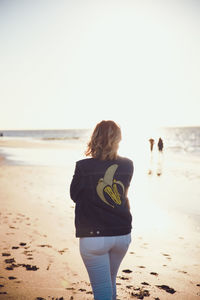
{"type": "Point", "coordinates": [76, 184]}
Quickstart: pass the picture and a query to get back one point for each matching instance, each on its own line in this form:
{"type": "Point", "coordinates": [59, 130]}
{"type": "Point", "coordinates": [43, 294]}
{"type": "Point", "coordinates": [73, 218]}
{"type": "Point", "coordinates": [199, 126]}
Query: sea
{"type": "Point", "coordinates": [64, 147]}
{"type": "Point", "coordinates": [180, 140]}
{"type": "Point", "coordinates": [50, 134]}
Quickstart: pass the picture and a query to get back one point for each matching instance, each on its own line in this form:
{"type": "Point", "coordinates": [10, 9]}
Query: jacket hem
{"type": "Point", "coordinates": [103, 232]}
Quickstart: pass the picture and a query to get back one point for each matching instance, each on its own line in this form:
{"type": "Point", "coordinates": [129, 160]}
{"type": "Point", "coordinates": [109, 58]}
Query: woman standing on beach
{"type": "Point", "coordinates": [102, 215]}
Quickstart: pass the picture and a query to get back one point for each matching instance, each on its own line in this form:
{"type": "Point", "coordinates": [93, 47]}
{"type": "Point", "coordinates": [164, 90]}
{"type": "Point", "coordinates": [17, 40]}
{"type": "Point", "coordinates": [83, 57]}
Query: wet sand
{"type": "Point", "coordinates": [39, 256]}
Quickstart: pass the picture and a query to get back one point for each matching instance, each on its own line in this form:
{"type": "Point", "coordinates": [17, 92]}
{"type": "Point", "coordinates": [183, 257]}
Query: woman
{"type": "Point", "coordinates": [102, 215]}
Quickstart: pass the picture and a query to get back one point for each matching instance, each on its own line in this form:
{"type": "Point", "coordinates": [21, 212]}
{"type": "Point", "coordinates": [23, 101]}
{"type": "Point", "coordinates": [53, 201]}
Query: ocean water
{"type": "Point", "coordinates": [183, 141]}
{"type": "Point", "coordinates": [176, 139]}
{"type": "Point", "coordinates": [58, 134]}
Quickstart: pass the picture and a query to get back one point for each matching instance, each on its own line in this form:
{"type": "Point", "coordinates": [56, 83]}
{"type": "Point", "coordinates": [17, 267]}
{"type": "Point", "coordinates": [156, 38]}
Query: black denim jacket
{"type": "Point", "coordinates": [99, 189]}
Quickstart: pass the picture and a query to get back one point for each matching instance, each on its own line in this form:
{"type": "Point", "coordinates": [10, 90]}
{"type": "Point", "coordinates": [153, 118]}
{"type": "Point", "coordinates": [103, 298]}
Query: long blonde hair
{"type": "Point", "coordinates": [104, 141]}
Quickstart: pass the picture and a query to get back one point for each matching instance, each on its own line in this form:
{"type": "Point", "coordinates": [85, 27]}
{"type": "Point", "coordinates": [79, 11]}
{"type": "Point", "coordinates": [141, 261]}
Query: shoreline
{"type": "Point", "coordinates": [40, 258]}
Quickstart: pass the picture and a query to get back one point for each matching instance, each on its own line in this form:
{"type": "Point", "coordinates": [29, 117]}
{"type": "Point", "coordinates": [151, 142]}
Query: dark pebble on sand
{"type": "Point", "coordinates": [156, 298]}
{"type": "Point", "coordinates": [62, 251]}
{"type": "Point", "coordinates": [15, 247]}
{"type": "Point", "coordinates": [123, 278]}
{"type": "Point", "coordinates": [22, 244]}
{"type": "Point", "coordinates": [129, 286]}
{"type": "Point", "coordinates": [141, 294]}
{"type": "Point", "coordinates": [10, 268]}
{"type": "Point", "coordinates": [12, 277]}
{"type": "Point", "coordinates": [30, 268]}
{"type": "Point", "coordinates": [40, 298]}
{"type": "Point", "coordinates": [6, 254]}
{"type": "Point", "coordinates": [166, 288]}
{"type": "Point", "coordinates": [127, 271]}
{"type": "Point", "coordinates": [198, 284]}
{"type": "Point", "coordinates": [154, 273]}
{"type": "Point", "coordinates": [61, 298]}
{"type": "Point", "coordinates": [82, 290]}
{"type": "Point", "coordinates": [48, 246]}
{"type": "Point", "coordinates": [9, 260]}
{"type": "Point", "coordinates": [145, 283]}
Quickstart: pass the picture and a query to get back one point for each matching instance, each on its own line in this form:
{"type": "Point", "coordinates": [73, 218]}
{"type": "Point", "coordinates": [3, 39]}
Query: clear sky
{"type": "Point", "coordinates": [72, 63]}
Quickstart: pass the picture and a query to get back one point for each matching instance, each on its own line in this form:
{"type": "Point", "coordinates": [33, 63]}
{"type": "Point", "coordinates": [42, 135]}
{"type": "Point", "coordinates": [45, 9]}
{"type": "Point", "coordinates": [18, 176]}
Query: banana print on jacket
{"type": "Point", "coordinates": [108, 185]}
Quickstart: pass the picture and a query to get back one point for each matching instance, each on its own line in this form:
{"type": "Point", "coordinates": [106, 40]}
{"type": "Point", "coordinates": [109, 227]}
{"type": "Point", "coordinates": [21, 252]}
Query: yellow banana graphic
{"type": "Point", "coordinates": [109, 185]}
{"type": "Point", "coordinates": [100, 188]}
{"type": "Point", "coordinates": [111, 193]}
{"type": "Point", "coordinates": [117, 195]}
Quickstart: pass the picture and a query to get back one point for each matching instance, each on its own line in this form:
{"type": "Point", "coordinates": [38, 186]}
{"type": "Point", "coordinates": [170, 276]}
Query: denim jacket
{"type": "Point", "coordinates": [99, 189]}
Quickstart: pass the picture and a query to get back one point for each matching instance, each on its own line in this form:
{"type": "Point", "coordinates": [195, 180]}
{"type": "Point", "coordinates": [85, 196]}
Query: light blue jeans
{"type": "Point", "coordinates": [102, 257]}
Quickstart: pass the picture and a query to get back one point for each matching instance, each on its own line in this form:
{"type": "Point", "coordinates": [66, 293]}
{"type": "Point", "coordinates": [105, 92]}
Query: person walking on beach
{"type": "Point", "coordinates": [151, 141]}
{"type": "Point", "coordinates": [103, 220]}
{"type": "Point", "coordinates": [160, 145]}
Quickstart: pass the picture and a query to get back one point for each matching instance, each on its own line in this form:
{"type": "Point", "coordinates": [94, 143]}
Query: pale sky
{"type": "Point", "coordinates": [72, 63]}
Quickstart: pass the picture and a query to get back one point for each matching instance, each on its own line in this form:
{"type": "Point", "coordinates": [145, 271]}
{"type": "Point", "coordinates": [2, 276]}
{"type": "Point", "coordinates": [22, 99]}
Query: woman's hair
{"type": "Point", "coordinates": [104, 141]}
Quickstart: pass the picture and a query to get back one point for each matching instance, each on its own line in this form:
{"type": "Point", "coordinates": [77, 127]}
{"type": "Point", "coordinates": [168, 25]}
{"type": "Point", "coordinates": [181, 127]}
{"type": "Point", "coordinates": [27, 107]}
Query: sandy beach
{"type": "Point", "coordinates": [39, 255]}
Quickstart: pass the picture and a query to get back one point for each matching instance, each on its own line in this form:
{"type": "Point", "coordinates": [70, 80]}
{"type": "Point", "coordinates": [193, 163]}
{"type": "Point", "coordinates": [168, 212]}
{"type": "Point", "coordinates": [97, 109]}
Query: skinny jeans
{"type": "Point", "coordinates": [102, 257]}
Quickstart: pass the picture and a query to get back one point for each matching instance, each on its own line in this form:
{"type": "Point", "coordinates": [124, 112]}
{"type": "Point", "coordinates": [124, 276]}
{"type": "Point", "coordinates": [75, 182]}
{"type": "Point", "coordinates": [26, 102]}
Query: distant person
{"type": "Point", "coordinates": [1, 133]}
{"type": "Point", "coordinates": [102, 215]}
{"type": "Point", "coordinates": [151, 144]}
{"type": "Point", "coordinates": [160, 145]}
